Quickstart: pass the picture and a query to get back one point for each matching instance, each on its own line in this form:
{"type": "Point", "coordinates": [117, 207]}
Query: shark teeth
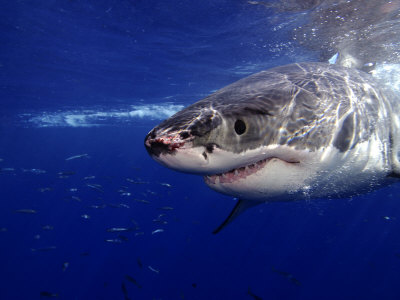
{"type": "Point", "coordinates": [236, 174]}
{"type": "Point", "coordinates": [240, 173]}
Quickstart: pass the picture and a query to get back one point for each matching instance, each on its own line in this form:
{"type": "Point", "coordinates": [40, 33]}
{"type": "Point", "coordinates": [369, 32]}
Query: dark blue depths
{"type": "Point", "coordinates": [63, 55]}
{"type": "Point", "coordinates": [325, 249]}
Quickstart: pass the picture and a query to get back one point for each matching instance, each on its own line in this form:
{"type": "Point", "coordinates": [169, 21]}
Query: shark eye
{"type": "Point", "coordinates": [240, 127]}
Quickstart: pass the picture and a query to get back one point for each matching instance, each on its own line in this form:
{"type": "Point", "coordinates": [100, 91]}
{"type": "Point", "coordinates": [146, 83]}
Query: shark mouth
{"type": "Point", "coordinates": [242, 172]}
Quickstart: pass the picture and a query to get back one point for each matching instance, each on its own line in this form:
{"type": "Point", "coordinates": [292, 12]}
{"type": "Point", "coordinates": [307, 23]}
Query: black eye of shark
{"type": "Point", "coordinates": [240, 127]}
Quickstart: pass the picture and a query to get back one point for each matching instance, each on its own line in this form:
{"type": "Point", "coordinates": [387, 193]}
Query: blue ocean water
{"type": "Point", "coordinates": [90, 79]}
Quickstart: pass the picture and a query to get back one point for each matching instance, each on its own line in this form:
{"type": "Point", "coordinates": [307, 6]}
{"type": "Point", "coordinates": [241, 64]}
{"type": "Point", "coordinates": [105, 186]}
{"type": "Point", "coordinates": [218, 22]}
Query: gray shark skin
{"type": "Point", "coordinates": [299, 131]}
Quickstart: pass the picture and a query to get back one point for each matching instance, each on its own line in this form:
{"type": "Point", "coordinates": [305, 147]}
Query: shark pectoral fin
{"type": "Point", "coordinates": [240, 207]}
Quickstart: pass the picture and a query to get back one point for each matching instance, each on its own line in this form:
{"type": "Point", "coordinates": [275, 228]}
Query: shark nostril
{"type": "Point", "coordinates": [155, 148]}
{"type": "Point", "coordinates": [184, 135]}
{"type": "Point", "coordinates": [152, 134]}
{"type": "Point", "coordinates": [149, 137]}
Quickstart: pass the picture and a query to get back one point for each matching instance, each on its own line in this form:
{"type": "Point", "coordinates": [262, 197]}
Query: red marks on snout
{"type": "Point", "coordinates": [166, 144]}
{"type": "Point", "coordinates": [171, 142]}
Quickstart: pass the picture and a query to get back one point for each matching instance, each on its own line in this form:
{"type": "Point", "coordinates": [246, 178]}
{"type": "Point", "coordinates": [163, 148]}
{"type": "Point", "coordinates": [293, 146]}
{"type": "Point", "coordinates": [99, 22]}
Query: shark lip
{"type": "Point", "coordinates": [234, 175]}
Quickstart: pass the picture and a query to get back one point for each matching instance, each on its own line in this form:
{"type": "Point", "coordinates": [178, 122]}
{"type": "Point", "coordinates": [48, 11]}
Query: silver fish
{"type": "Point", "coordinates": [78, 156]}
{"type": "Point", "coordinates": [26, 211]}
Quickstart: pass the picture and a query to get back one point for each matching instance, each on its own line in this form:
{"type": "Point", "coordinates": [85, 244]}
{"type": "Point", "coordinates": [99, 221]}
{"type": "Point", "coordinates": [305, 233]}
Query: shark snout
{"type": "Point", "coordinates": [157, 144]}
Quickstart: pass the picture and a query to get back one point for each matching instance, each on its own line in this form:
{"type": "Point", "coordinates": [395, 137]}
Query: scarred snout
{"type": "Point", "coordinates": [164, 143]}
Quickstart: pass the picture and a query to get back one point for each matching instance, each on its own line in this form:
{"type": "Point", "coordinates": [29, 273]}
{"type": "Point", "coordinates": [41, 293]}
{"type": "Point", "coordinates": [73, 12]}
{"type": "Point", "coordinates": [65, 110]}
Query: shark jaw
{"type": "Point", "coordinates": [259, 174]}
{"type": "Point", "coordinates": [270, 179]}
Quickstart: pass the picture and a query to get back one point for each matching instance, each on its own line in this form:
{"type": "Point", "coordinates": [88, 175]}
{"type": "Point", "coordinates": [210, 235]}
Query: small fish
{"type": "Point", "coordinates": [78, 156]}
{"type": "Point", "coordinates": [26, 211]}
{"type": "Point", "coordinates": [139, 262]}
{"type": "Point", "coordinates": [162, 222]}
{"type": "Point", "coordinates": [287, 275]}
{"type": "Point", "coordinates": [118, 229]}
{"type": "Point", "coordinates": [47, 227]}
{"type": "Point", "coordinates": [157, 231]}
{"type": "Point", "coordinates": [48, 294]}
{"type": "Point", "coordinates": [135, 228]}
{"type": "Point", "coordinates": [118, 205]}
{"type": "Point", "coordinates": [65, 266]}
{"type": "Point", "coordinates": [85, 216]}
{"type": "Point", "coordinates": [166, 184]}
{"type": "Point", "coordinates": [44, 249]}
{"type": "Point", "coordinates": [122, 238]}
{"type": "Point", "coordinates": [133, 280]}
{"type": "Point", "coordinates": [34, 171]}
{"type": "Point", "coordinates": [7, 169]}
{"type": "Point", "coordinates": [124, 291]}
{"type": "Point", "coordinates": [125, 194]}
{"type": "Point", "coordinates": [113, 241]}
{"type": "Point", "coordinates": [89, 177]}
{"type": "Point", "coordinates": [73, 190]}
{"type": "Point", "coordinates": [136, 181]}
{"type": "Point", "coordinates": [139, 233]}
{"type": "Point", "coordinates": [36, 237]}
{"type": "Point", "coordinates": [166, 208]}
{"type": "Point", "coordinates": [65, 174]}
{"type": "Point", "coordinates": [250, 293]}
{"type": "Point", "coordinates": [154, 270]}
{"type": "Point", "coordinates": [45, 189]}
{"type": "Point", "coordinates": [158, 219]}
{"type": "Point", "coordinates": [142, 201]}
{"type": "Point", "coordinates": [76, 198]}
{"type": "Point", "coordinates": [97, 206]}
{"type": "Point", "coordinates": [96, 187]}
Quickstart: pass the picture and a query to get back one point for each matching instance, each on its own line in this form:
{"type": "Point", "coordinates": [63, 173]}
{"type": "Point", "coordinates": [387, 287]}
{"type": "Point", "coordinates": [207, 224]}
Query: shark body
{"type": "Point", "coordinates": [299, 131]}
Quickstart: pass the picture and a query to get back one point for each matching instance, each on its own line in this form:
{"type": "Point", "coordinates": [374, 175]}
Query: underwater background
{"type": "Point", "coordinates": [85, 213]}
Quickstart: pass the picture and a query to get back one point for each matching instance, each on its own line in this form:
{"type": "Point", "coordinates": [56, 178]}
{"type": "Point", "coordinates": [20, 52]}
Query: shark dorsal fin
{"type": "Point", "coordinates": [241, 206]}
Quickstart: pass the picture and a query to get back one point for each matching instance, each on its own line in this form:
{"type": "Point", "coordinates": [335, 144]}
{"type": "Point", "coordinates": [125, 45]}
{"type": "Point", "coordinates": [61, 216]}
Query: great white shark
{"type": "Point", "coordinates": [299, 131]}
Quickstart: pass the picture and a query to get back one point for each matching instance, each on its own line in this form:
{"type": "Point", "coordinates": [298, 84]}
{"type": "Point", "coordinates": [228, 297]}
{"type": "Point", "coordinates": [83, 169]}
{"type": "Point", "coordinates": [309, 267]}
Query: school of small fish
{"type": "Point", "coordinates": [135, 190]}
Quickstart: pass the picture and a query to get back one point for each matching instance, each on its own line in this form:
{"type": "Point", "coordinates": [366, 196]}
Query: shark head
{"type": "Point", "coordinates": [297, 131]}
{"type": "Point", "coordinates": [239, 150]}
{"type": "Point", "coordinates": [271, 136]}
